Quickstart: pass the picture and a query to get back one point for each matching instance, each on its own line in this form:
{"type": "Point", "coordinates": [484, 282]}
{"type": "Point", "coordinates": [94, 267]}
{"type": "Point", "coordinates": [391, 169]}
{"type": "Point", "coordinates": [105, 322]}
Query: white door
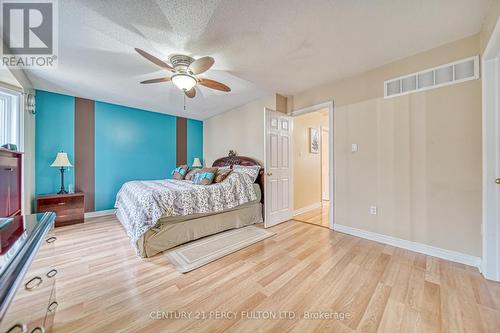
{"type": "Point", "coordinates": [325, 174]}
{"type": "Point", "coordinates": [278, 183]}
{"type": "Point", "coordinates": [491, 158]}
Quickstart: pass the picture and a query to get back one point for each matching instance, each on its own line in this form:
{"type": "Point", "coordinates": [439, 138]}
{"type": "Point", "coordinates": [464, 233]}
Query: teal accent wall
{"type": "Point", "coordinates": [54, 131]}
{"type": "Point", "coordinates": [194, 140]}
{"type": "Point", "coordinates": [130, 144]}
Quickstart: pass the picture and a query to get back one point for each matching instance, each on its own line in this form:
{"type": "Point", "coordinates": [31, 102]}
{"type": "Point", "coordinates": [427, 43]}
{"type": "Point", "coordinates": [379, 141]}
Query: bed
{"type": "Point", "coordinates": [155, 223]}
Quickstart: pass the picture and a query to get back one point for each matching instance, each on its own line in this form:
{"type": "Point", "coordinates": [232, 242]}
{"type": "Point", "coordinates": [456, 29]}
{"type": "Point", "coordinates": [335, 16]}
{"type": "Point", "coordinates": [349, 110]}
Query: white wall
{"type": "Point", "coordinates": [240, 129]}
{"type": "Point", "coordinates": [29, 162]}
{"type": "Point", "coordinates": [419, 158]}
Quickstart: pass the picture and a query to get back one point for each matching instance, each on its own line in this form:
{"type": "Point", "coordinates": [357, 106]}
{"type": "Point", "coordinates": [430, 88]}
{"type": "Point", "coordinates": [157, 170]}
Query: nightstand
{"type": "Point", "coordinates": [69, 208]}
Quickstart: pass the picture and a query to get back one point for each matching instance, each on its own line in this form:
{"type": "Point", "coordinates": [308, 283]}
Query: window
{"type": "Point", "coordinates": [10, 122]}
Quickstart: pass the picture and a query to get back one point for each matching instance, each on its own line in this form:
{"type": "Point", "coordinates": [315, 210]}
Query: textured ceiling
{"type": "Point", "coordinates": [260, 47]}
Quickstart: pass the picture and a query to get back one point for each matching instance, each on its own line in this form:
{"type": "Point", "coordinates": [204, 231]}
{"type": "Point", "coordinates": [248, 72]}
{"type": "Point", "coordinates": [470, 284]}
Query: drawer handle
{"type": "Point", "coordinates": [33, 283]}
{"type": "Point", "coordinates": [38, 329]}
{"type": "Point", "coordinates": [61, 203]}
{"type": "Point", "coordinates": [51, 239]}
{"type": "Point", "coordinates": [18, 328]}
{"type": "Point", "coordinates": [50, 274]}
{"type": "Point", "coordinates": [9, 169]}
{"type": "Point", "coordinates": [53, 306]}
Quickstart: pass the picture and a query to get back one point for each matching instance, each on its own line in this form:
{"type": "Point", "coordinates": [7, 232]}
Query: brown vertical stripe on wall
{"type": "Point", "coordinates": [181, 140]}
{"type": "Point", "coordinates": [84, 150]}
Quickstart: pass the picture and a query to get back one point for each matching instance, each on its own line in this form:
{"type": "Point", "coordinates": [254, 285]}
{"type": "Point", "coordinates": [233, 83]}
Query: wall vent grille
{"type": "Point", "coordinates": [455, 72]}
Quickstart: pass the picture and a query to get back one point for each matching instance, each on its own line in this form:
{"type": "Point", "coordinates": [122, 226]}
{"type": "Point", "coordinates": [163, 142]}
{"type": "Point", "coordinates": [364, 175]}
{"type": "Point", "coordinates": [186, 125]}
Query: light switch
{"type": "Point", "coordinates": [354, 147]}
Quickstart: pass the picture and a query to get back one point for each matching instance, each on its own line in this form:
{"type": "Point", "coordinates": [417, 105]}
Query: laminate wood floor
{"type": "Point", "coordinates": [318, 216]}
{"type": "Point", "coordinates": [303, 270]}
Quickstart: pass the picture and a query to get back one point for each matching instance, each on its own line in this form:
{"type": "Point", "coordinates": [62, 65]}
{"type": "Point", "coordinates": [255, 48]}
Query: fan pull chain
{"type": "Point", "coordinates": [184, 102]}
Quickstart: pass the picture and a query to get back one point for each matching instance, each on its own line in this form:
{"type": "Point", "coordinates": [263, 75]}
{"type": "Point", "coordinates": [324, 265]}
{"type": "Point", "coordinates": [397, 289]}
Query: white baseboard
{"type": "Point", "coordinates": [306, 208]}
{"type": "Point", "coordinates": [412, 246]}
{"type": "Point", "coordinates": [100, 213]}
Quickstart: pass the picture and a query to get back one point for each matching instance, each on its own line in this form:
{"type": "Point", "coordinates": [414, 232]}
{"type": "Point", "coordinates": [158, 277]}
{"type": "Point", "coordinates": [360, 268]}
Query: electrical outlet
{"type": "Point", "coordinates": [354, 147]}
{"type": "Point", "coordinates": [373, 210]}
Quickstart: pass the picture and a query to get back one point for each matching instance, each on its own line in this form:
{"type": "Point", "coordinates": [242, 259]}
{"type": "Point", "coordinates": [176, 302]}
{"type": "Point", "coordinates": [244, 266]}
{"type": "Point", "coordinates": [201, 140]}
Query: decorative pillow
{"type": "Point", "coordinates": [203, 178]}
{"type": "Point", "coordinates": [191, 173]}
{"type": "Point", "coordinates": [221, 174]}
{"type": "Point", "coordinates": [179, 172]}
{"type": "Point", "coordinates": [252, 171]}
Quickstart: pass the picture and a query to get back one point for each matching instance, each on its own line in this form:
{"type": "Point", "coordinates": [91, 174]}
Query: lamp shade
{"type": "Point", "coordinates": [196, 163]}
{"type": "Point", "coordinates": [61, 161]}
{"type": "Point", "coordinates": [184, 81]}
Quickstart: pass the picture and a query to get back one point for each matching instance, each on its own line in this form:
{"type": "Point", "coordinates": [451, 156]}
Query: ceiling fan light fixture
{"type": "Point", "coordinates": [185, 70]}
{"type": "Point", "coordinates": [184, 81]}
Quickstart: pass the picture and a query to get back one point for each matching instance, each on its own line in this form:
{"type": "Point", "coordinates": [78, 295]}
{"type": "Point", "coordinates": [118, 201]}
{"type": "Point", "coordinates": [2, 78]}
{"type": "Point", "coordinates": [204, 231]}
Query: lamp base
{"type": "Point", "coordinates": [62, 191]}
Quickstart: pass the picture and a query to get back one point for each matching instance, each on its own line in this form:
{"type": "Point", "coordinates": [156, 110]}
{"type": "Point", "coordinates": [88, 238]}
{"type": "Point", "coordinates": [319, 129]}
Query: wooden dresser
{"type": "Point", "coordinates": [10, 182]}
{"type": "Point", "coordinates": [27, 274]}
{"type": "Point", "coordinates": [69, 208]}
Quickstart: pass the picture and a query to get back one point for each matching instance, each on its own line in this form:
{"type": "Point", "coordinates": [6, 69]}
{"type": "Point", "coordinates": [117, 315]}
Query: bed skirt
{"type": "Point", "coordinates": [169, 234]}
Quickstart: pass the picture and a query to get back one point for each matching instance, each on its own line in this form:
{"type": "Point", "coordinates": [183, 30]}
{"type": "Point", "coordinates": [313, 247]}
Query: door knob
{"type": "Point", "coordinates": [269, 173]}
{"type": "Point", "coordinates": [497, 181]}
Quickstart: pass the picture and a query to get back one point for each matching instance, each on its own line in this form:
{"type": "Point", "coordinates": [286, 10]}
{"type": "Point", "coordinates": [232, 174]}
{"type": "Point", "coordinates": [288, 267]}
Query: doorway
{"type": "Point", "coordinates": [313, 165]}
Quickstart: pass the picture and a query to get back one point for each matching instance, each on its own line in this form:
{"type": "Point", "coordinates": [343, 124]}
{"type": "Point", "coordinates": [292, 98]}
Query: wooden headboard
{"type": "Point", "coordinates": [232, 159]}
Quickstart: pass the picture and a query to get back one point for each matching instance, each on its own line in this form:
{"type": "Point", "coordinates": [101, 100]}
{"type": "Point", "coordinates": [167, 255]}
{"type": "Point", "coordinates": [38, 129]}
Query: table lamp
{"type": "Point", "coordinates": [196, 163]}
{"type": "Point", "coordinates": [61, 162]}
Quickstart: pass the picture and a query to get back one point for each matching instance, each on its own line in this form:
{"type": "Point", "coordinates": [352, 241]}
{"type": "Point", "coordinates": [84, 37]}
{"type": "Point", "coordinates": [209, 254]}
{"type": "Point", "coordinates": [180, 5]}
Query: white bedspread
{"type": "Point", "coordinates": [142, 203]}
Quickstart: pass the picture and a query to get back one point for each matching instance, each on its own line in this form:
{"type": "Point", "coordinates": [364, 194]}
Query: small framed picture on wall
{"type": "Point", "coordinates": [314, 140]}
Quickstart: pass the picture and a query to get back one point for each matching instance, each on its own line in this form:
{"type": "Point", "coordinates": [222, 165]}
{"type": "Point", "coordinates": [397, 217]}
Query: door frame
{"type": "Point", "coordinates": [331, 149]}
{"type": "Point", "coordinates": [490, 228]}
{"type": "Point", "coordinates": [322, 158]}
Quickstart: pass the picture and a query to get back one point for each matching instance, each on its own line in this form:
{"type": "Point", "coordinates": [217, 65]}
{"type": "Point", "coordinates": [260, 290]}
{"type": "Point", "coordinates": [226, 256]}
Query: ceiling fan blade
{"type": "Point", "coordinates": [190, 93]}
{"type": "Point", "coordinates": [154, 59]}
{"type": "Point", "coordinates": [201, 65]}
{"type": "Point", "coordinates": [161, 79]}
{"type": "Point", "coordinates": [214, 85]}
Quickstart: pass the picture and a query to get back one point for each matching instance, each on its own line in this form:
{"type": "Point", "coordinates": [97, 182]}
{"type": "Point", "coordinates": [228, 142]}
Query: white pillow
{"type": "Point", "coordinates": [252, 171]}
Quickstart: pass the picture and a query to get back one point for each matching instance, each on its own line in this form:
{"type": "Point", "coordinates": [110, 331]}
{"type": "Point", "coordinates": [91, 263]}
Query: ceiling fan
{"type": "Point", "coordinates": [185, 69]}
